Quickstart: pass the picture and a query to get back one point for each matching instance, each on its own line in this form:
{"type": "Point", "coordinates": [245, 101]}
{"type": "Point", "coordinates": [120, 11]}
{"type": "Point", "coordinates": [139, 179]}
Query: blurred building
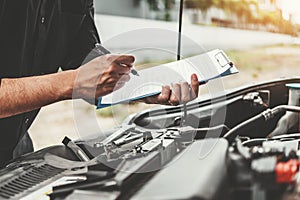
{"type": "Point", "coordinates": [288, 8]}
{"type": "Point", "coordinates": [137, 8]}
{"type": "Point", "coordinates": [144, 9]}
{"type": "Point", "coordinates": [128, 8]}
{"type": "Point", "coordinates": [269, 5]}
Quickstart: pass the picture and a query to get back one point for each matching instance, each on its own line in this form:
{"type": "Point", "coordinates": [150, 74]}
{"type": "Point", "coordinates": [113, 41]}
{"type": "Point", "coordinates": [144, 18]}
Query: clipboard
{"type": "Point", "coordinates": [210, 65]}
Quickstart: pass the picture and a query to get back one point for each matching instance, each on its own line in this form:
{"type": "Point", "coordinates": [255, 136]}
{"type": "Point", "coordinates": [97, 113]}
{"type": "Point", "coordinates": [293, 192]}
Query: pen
{"type": "Point", "coordinates": [134, 72]}
{"type": "Point", "coordinates": [101, 50]}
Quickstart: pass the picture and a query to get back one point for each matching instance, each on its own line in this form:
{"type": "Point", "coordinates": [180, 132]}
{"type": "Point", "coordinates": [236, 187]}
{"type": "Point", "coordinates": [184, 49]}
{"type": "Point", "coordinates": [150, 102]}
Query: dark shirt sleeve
{"type": "Point", "coordinates": [2, 7]}
{"type": "Point", "coordinates": [82, 49]}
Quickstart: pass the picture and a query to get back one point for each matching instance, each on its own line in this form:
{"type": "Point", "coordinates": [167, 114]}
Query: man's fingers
{"type": "Point", "coordinates": [185, 92]}
{"type": "Point", "coordinates": [119, 85]}
{"type": "Point", "coordinates": [176, 94]}
{"type": "Point", "coordinates": [125, 59]}
{"type": "Point", "coordinates": [120, 64]}
{"type": "Point", "coordinates": [164, 96]}
{"type": "Point", "coordinates": [119, 69]}
{"type": "Point", "coordinates": [124, 78]}
{"type": "Point", "coordinates": [194, 86]}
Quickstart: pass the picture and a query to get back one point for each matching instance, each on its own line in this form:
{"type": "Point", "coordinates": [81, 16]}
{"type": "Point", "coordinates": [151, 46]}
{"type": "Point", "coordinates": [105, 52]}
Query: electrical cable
{"type": "Point", "coordinates": [266, 115]}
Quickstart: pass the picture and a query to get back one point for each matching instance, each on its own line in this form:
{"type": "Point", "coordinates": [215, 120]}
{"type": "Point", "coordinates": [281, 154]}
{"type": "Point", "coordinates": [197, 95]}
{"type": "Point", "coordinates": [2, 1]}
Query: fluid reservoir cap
{"type": "Point", "coordinates": [293, 85]}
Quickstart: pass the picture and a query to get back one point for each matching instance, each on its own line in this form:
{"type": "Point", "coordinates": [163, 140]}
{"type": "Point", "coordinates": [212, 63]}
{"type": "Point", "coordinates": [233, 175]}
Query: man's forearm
{"type": "Point", "coordinates": [25, 94]}
{"type": "Point", "coordinates": [97, 78]}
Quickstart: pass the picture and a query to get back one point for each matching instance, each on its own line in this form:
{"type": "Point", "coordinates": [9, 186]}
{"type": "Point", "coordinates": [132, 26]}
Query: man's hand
{"type": "Point", "coordinates": [96, 78]}
{"type": "Point", "coordinates": [102, 76]}
{"type": "Point", "coordinates": [179, 93]}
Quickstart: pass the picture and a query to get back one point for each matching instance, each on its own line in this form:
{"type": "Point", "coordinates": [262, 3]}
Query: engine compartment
{"type": "Point", "coordinates": [217, 148]}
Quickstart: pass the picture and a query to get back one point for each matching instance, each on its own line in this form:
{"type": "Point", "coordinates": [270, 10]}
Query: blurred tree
{"type": "Point", "coordinates": [244, 12]}
{"type": "Point", "coordinates": [168, 4]}
{"type": "Point", "coordinates": [153, 4]}
{"type": "Point", "coordinates": [241, 11]}
{"type": "Point", "coordinates": [196, 5]}
{"type": "Point", "coordinates": [202, 5]}
{"type": "Point", "coordinates": [162, 5]}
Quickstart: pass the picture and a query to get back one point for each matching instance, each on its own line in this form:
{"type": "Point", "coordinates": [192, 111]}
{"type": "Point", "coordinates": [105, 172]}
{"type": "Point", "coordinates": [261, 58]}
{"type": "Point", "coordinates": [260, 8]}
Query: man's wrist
{"type": "Point", "coordinates": [67, 81]}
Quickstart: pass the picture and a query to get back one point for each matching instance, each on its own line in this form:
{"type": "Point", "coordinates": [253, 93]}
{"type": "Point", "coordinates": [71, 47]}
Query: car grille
{"type": "Point", "coordinates": [31, 176]}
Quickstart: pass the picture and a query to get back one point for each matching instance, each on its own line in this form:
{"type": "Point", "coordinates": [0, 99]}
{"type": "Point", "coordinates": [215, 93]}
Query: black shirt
{"type": "Point", "coordinates": [37, 37]}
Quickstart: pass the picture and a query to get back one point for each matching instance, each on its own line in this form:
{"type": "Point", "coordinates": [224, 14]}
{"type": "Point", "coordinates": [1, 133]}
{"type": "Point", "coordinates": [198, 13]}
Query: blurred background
{"type": "Point", "coordinates": [260, 36]}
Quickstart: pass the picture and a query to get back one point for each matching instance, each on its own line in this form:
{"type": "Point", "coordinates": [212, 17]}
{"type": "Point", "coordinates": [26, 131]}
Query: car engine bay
{"type": "Point", "coordinates": [183, 152]}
